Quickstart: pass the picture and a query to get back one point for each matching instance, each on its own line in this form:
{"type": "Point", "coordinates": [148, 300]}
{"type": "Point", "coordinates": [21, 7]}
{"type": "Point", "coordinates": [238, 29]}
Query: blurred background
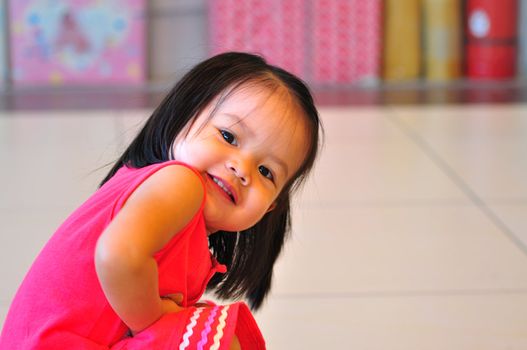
{"type": "Point", "coordinates": [412, 231]}
{"type": "Point", "coordinates": [349, 51]}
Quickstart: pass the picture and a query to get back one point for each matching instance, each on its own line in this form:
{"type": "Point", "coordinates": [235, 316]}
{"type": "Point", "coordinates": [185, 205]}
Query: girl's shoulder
{"type": "Point", "coordinates": [174, 179]}
{"type": "Point", "coordinates": [174, 167]}
{"type": "Point", "coordinates": [175, 172]}
{"type": "Point", "coordinates": [170, 183]}
{"type": "Point", "coordinates": [148, 170]}
{"type": "Point", "coordinates": [158, 208]}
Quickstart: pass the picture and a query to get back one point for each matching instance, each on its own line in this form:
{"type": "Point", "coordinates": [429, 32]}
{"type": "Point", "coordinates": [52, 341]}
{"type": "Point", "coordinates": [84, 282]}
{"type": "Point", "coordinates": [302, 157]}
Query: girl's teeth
{"type": "Point", "coordinates": [219, 183]}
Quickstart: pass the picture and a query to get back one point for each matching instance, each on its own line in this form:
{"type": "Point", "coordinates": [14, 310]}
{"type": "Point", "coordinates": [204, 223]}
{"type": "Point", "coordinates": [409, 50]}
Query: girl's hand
{"type": "Point", "coordinates": [169, 306]}
{"type": "Point", "coordinates": [169, 303]}
{"type": "Point", "coordinates": [178, 299]}
{"type": "Point", "coordinates": [172, 303]}
{"type": "Point", "coordinates": [203, 304]}
{"type": "Point", "coordinates": [175, 297]}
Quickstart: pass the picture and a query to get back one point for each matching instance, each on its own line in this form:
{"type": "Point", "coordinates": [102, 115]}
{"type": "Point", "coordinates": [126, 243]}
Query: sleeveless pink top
{"type": "Point", "coordinates": [60, 304]}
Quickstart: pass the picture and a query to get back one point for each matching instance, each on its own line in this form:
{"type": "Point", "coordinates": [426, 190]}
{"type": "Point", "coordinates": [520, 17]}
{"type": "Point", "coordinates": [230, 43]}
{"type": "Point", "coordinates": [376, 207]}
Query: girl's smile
{"type": "Point", "coordinates": [247, 151]}
{"type": "Point", "coordinates": [224, 187]}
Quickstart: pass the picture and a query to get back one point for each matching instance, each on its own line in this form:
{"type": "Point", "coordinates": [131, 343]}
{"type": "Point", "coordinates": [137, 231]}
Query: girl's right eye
{"type": "Point", "coordinates": [229, 137]}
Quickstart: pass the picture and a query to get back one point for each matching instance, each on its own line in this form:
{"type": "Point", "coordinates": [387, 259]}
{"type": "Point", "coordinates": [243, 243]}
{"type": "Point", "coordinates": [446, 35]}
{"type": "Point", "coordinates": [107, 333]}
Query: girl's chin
{"type": "Point", "coordinates": [212, 229]}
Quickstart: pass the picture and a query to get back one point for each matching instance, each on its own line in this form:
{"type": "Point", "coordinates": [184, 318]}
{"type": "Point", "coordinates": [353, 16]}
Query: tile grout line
{"type": "Point", "coordinates": [380, 204]}
{"type": "Point", "coordinates": [458, 181]}
{"type": "Point", "coordinates": [397, 294]}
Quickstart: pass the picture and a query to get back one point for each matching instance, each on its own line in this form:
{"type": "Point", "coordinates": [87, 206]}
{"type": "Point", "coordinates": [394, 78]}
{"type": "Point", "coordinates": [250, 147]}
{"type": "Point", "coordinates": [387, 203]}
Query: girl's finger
{"type": "Point", "coordinates": [175, 297]}
{"type": "Point", "coordinates": [202, 305]}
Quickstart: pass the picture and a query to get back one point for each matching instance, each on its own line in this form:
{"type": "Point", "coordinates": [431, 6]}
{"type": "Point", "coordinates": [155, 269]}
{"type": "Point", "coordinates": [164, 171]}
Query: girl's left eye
{"type": "Point", "coordinates": [266, 172]}
{"type": "Point", "coordinates": [229, 137]}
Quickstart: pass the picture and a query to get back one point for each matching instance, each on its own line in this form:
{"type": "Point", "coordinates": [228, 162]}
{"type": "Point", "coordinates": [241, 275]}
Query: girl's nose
{"type": "Point", "coordinates": [241, 171]}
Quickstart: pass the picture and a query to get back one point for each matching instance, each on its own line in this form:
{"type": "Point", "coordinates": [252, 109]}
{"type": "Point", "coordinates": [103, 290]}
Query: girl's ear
{"type": "Point", "coordinates": [271, 207]}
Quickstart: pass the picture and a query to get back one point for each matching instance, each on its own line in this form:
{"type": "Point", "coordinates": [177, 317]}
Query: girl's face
{"type": "Point", "coordinates": [246, 153]}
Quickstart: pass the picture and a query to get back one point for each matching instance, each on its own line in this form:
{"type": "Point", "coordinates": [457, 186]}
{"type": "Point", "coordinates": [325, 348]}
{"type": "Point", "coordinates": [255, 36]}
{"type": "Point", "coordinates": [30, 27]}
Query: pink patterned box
{"type": "Point", "coordinates": [327, 42]}
{"type": "Point", "coordinates": [3, 48]}
{"type": "Point", "coordinates": [272, 28]}
{"type": "Point", "coordinates": [77, 42]}
{"type": "Point", "coordinates": [346, 41]}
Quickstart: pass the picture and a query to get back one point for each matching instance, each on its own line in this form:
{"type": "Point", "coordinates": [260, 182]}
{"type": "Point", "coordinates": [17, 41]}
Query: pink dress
{"type": "Point", "coordinates": [60, 304]}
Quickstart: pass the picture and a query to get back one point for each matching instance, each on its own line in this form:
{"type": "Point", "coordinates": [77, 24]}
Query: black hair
{"type": "Point", "coordinates": [251, 254]}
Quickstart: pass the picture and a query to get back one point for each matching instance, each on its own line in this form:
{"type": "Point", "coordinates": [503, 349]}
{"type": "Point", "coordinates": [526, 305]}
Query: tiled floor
{"type": "Point", "coordinates": [412, 233]}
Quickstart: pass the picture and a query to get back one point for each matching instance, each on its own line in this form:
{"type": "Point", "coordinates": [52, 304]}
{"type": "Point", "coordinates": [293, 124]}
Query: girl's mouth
{"type": "Point", "coordinates": [225, 187]}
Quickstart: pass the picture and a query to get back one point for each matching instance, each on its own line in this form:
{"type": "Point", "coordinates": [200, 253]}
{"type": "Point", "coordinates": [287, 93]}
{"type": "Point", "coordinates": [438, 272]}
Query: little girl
{"type": "Point", "coordinates": [203, 189]}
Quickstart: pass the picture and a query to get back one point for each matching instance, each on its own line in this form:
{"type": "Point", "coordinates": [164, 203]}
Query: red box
{"type": "Point", "coordinates": [492, 38]}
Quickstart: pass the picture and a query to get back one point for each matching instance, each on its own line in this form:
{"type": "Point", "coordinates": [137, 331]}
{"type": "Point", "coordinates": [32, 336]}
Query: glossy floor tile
{"type": "Point", "coordinates": [410, 234]}
{"type": "Point", "coordinates": [366, 159]}
{"type": "Point", "coordinates": [400, 322]}
{"type": "Point", "coordinates": [485, 146]}
{"type": "Point", "coordinates": [398, 249]}
{"type": "Point", "coordinates": [514, 215]}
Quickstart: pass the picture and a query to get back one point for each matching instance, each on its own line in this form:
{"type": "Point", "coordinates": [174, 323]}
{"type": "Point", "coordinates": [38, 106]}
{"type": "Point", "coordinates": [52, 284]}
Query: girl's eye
{"type": "Point", "coordinates": [227, 136]}
{"type": "Point", "coordinates": [266, 172]}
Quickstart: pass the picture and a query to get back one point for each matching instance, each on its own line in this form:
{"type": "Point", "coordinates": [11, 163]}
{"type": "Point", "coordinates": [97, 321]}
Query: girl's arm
{"type": "Point", "coordinates": [156, 210]}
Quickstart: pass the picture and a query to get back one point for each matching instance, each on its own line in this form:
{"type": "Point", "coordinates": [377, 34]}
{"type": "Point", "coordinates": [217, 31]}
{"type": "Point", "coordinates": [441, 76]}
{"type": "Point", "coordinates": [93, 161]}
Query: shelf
{"type": "Point", "coordinates": [149, 95]}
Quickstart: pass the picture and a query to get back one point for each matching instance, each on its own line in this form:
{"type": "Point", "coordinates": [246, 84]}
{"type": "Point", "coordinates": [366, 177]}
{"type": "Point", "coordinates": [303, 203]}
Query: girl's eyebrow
{"type": "Point", "coordinates": [238, 120]}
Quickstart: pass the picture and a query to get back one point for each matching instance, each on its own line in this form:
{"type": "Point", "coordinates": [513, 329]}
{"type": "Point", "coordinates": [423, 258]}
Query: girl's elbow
{"type": "Point", "coordinates": [104, 259]}
{"type": "Point", "coordinates": [115, 257]}
{"type": "Point", "coordinates": [104, 253]}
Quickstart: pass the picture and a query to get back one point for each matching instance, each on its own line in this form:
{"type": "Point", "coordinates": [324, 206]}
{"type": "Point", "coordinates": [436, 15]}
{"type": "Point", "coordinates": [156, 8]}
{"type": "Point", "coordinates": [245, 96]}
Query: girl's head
{"type": "Point", "coordinates": [252, 130]}
{"type": "Point", "coordinates": [248, 143]}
